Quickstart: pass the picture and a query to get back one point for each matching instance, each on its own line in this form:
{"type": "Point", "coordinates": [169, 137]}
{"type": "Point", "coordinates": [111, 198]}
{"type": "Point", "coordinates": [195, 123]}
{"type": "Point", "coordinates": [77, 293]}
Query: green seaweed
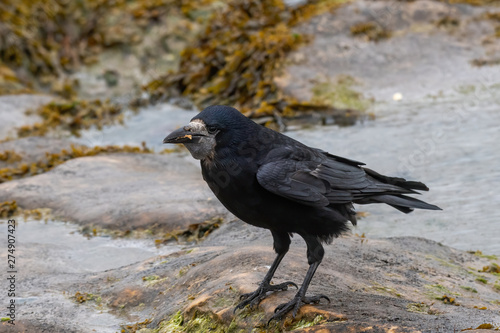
{"type": "Point", "coordinates": [150, 278]}
{"type": "Point", "coordinates": [472, 290]}
{"type": "Point", "coordinates": [304, 323]}
{"type": "Point", "coordinates": [482, 280]}
{"type": "Point", "coordinates": [340, 94]}
{"type": "Point", "coordinates": [418, 308]}
{"type": "Point", "coordinates": [224, 302]}
{"type": "Point", "coordinates": [173, 324]}
{"type": "Point", "coordinates": [436, 291]}
{"type": "Point", "coordinates": [183, 271]}
{"type": "Point", "coordinates": [491, 268]}
{"type": "Point", "coordinates": [86, 297]}
{"type": "Point", "coordinates": [204, 323]}
{"type": "Point", "coordinates": [481, 255]}
{"type": "Point", "coordinates": [201, 322]}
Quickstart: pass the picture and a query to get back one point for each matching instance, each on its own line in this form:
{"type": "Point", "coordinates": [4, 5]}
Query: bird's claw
{"type": "Point", "coordinates": [244, 296]}
{"type": "Point", "coordinates": [295, 304]}
{"type": "Point", "coordinates": [258, 295]}
{"type": "Point", "coordinates": [315, 299]}
{"type": "Point", "coordinates": [284, 286]}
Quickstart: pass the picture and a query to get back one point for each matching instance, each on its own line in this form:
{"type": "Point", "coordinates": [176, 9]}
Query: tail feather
{"type": "Point", "coordinates": [405, 210]}
{"type": "Point", "coordinates": [401, 182]}
{"type": "Point", "coordinates": [403, 203]}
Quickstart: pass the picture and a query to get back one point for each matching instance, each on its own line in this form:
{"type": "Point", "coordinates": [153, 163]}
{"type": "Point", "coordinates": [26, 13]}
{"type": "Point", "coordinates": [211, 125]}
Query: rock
{"type": "Point", "coordinates": [12, 112]}
{"type": "Point", "coordinates": [394, 285]}
{"type": "Point", "coordinates": [33, 149]}
{"type": "Point", "coordinates": [372, 283]}
{"type": "Point", "coordinates": [122, 191]}
{"type": "Point", "coordinates": [420, 58]}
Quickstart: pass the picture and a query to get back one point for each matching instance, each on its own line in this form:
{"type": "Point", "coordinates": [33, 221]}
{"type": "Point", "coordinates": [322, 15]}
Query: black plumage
{"type": "Point", "coordinates": [272, 181]}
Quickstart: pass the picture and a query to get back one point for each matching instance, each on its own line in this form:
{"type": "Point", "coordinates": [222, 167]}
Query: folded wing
{"type": "Point", "coordinates": [316, 178]}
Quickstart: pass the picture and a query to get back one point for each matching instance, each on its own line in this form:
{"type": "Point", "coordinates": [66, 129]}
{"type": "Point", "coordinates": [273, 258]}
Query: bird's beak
{"type": "Point", "coordinates": [186, 134]}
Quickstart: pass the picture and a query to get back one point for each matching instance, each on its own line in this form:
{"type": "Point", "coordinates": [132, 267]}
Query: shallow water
{"type": "Point", "coordinates": [54, 250]}
{"type": "Point", "coordinates": [150, 125]}
{"type": "Point", "coordinates": [56, 246]}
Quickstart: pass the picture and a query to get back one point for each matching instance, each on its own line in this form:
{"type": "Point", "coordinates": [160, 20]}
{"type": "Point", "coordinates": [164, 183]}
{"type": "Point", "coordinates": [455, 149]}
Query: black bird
{"type": "Point", "coordinates": [275, 182]}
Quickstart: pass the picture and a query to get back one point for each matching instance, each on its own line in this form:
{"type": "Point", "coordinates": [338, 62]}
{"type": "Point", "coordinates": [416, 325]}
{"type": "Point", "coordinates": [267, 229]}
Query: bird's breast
{"type": "Point", "coordinates": [237, 189]}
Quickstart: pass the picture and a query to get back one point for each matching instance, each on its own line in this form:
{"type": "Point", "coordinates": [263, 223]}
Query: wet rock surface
{"type": "Point", "coordinates": [33, 149]}
{"type": "Point", "coordinates": [396, 284]}
{"type": "Point", "coordinates": [121, 191]}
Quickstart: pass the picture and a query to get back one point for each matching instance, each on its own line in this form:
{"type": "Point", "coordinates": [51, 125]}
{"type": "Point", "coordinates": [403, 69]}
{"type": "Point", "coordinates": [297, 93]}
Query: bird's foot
{"type": "Point", "coordinates": [258, 295]}
{"type": "Point", "coordinates": [295, 304]}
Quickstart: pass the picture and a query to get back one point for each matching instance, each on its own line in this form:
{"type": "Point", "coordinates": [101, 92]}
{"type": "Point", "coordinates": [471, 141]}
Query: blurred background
{"type": "Point", "coordinates": [89, 89]}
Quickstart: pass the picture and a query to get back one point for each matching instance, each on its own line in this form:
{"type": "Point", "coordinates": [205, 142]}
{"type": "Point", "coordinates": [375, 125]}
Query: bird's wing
{"type": "Point", "coordinates": [311, 176]}
{"type": "Point", "coordinates": [316, 178]}
{"type": "Point", "coordinates": [292, 179]}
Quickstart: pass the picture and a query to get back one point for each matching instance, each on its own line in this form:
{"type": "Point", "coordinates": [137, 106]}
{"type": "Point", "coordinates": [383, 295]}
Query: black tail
{"type": "Point", "coordinates": [403, 203]}
{"type": "Point", "coordinates": [399, 201]}
{"type": "Point", "coordinates": [401, 182]}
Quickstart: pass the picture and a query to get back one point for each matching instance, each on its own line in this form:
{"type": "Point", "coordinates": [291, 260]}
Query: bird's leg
{"type": "Point", "coordinates": [315, 253]}
{"type": "Point", "coordinates": [281, 246]}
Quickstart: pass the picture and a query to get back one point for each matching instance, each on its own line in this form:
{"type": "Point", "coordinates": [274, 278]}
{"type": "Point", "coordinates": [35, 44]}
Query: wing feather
{"type": "Point", "coordinates": [315, 178]}
{"type": "Point", "coordinates": [290, 179]}
{"type": "Point", "coordinates": [319, 179]}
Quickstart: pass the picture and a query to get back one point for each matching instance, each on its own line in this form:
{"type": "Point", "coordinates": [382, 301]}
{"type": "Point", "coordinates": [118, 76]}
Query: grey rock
{"type": "Point", "coordinates": [375, 286]}
{"type": "Point", "coordinates": [121, 191]}
{"type": "Point", "coordinates": [420, 58]}
{"type": "Point", "coordinates": [34, 148]}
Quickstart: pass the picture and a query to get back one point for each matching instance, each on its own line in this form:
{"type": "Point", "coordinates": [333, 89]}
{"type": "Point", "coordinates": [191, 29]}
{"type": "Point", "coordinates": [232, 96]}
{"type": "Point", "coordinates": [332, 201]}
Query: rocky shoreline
{"type": "Point", "coordinates": [395, 284]}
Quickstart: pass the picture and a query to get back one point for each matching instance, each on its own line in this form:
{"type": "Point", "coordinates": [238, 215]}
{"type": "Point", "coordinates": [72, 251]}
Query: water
{"type": "Point", "coordinates": [55, 246]}
{"type": "Point", "coordinates": [150, 125]}
{"type": "Point", "coordinates": [48, 253]}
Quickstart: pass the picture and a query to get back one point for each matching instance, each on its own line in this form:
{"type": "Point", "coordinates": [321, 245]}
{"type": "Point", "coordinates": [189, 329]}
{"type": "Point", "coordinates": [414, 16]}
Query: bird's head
{"type": "Point", "coordinates": [209, 128]}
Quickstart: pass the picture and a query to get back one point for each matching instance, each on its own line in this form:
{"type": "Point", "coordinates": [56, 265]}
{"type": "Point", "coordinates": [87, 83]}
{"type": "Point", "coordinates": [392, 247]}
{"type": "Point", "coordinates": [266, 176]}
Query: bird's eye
{"type": "Point", "coordinates": [211, 129]}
